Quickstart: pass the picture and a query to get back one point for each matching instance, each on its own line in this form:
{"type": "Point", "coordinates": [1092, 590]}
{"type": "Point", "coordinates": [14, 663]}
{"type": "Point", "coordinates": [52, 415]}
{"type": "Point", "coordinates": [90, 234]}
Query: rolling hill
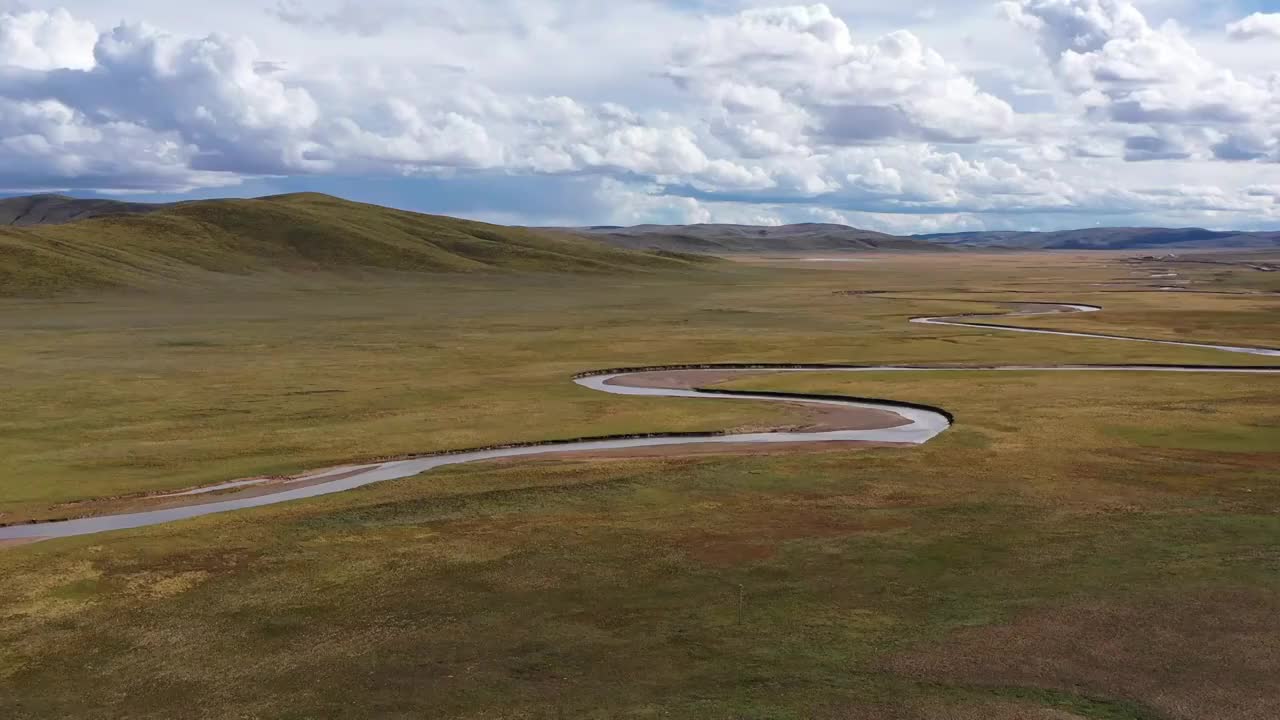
{"type": "Point", "coordinates": [300, 233]}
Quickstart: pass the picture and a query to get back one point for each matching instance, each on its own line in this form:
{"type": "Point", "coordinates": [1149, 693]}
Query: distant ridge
{"type": "Point", "coordinates": [818, 237]}
{"type": "Point", "coordinates": [187, 243]}
{"type": "Point", "coordinates": [721, 238]}
{"type": "Point", "coordinates": [1110, 239]}
{"type": "Point", "coordinates": [59, 209]}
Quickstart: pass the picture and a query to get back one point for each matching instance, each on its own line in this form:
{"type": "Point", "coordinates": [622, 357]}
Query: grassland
{"type": "Point", "coordinates": [1225, 270]}
{"type": "Point", "coordinates": [1078, 546]}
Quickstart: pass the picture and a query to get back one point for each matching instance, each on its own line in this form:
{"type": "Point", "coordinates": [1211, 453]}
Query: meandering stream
{"type": "Point", "coordinates": [907, 425]}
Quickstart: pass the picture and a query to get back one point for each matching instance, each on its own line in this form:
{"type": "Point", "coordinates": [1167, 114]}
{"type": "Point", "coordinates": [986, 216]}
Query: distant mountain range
{"type": "Point", "coordinates": [1110, 239]}
{"type": "Point", "coordinates": [715, 239]}
{"type": "Point", "coordinates": [830, 238]}
{"type": "Point", "coordinates": [718, 239]}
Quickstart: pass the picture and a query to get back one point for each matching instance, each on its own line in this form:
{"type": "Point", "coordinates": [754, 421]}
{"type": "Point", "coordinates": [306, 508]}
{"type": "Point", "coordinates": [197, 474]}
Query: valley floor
{"type": "Point", "coordinates": [1102, 545]}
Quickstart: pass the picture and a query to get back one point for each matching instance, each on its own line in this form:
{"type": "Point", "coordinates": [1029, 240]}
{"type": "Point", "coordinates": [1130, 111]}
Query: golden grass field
{"type": "Point", "coordinates": [1101, 545]}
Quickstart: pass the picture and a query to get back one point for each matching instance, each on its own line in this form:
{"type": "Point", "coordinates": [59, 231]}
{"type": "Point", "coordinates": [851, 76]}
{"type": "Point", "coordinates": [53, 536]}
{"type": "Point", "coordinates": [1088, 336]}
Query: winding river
{"type": "Point", "coordinates": [890, 423]}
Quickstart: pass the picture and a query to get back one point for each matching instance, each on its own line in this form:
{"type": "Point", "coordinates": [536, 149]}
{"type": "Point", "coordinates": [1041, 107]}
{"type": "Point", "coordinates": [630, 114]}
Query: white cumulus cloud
{"type": "Point", "coordinates": [801, 65]}
{"type": "Point", "coordinates": [40, 40]}
{"type": "Point", "coordinates": [1257, 25]}
{"type": "Point", "coordinates": [1122, 69]}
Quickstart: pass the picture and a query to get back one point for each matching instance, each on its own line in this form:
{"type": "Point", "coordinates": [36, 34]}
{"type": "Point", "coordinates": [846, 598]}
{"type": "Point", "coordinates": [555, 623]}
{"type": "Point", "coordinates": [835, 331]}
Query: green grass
{"type": "Point", "coordinates": [1092, 545]}
{"type": "Point", "coordinates": [202, 242]}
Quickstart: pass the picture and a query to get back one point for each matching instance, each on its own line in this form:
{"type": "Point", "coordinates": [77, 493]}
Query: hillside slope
{"type": "Point", "coordinates": [717, 239]}
{"type": "Point", "coordinates": [287, 233]}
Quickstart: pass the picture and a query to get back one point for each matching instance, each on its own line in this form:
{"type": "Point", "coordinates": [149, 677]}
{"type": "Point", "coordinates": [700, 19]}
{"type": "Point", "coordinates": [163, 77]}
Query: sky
{"type": "Point", "coordinates": [909, 116]}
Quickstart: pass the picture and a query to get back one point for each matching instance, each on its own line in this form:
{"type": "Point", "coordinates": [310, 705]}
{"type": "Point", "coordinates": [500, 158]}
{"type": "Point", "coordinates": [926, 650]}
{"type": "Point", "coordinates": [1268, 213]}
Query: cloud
{"type": "Point", "coordinates": [1123, 72]}
{"type": "Point", "coordinates": [801, 67]}
{"type": "Point", "coordinates": [1106, 53]}
{"type": "Point", "coordinates": [39, 40]}
{"type": "Point", "coordinates": [1141, 148]}
{"type": "Point", "coordinates": [207, 93]}
{"type": "Point", "coordinates": [217, 106]}
{"type": "Point", "coordinates": [1257, 25]}
{"type": "Point", "coordinates": [369, 18]}
{"type": "Point", "coordinates": [1077, 26]}
{"type": "Point", "coordinates": [1247, 144]}
{"type": "Point", "coordinates": [45, 144]}
{"type": "Point", "coordinates": [224, 109]}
